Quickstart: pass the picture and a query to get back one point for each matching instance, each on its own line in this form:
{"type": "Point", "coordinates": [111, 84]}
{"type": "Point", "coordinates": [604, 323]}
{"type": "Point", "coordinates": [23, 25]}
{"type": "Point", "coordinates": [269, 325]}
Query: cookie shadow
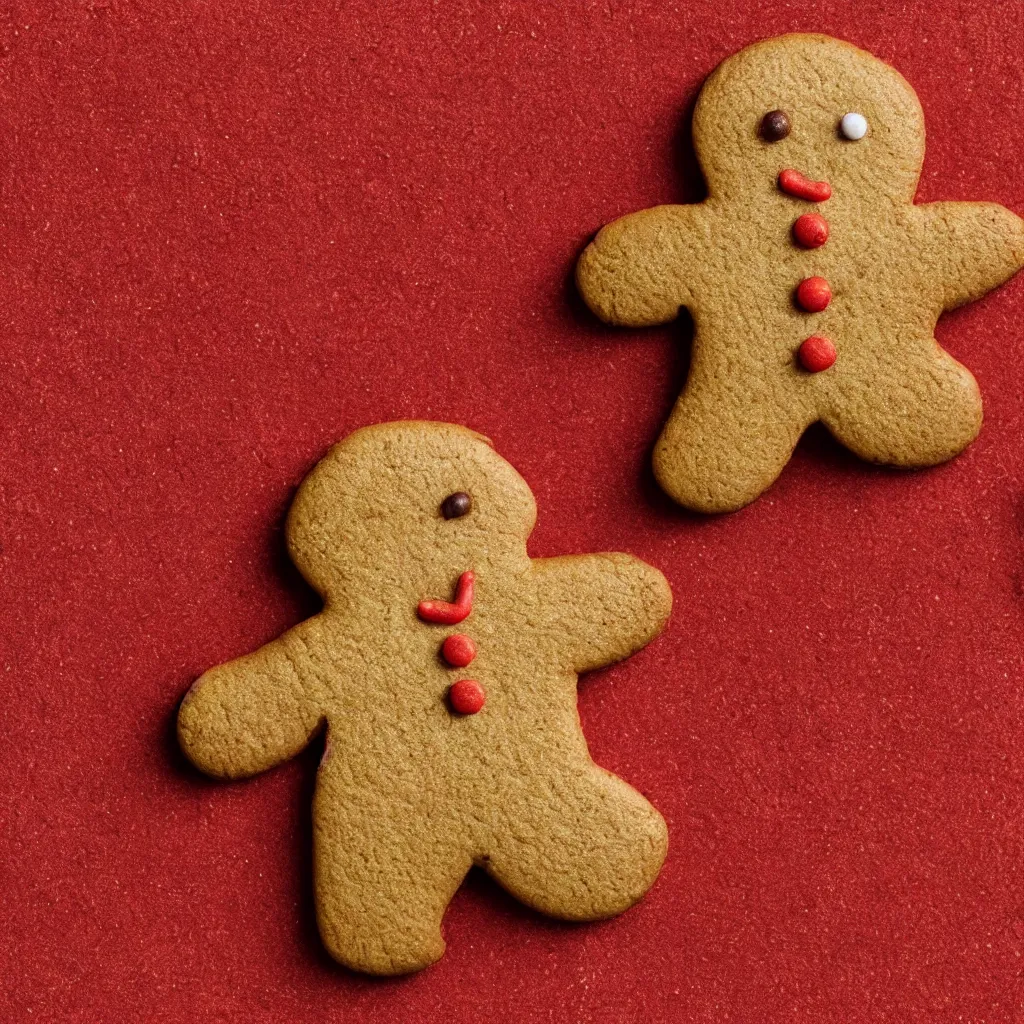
{"type": "Point", "coordinates": [306, 603]}
{"type": "Point", "coordinates": [676, 337]}
{"type": "Point", "coordinates": [817, 445]}
{"type": "Point", "coordinates": [818, 450]}
{"type": "Point", "coordinates": [692, 186]}
{"type": "Point", "coordinates": [481, 889]}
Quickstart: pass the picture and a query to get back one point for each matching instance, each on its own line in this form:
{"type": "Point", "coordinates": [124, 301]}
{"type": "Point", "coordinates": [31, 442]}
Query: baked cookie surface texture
{"type": "Point", "coordinates": [813, 280]}
{"type": "Point", "coordinates": [443, 667]}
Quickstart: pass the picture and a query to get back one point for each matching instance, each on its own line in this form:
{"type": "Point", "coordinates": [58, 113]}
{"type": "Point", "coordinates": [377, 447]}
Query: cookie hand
{"type": "Point", "coordinates": [974, 247]}
{"type": "Point", "coordinates": [602, 608]}
{"type": "Point", "coordinates": [639, 270]}
{"type": "Point", "coordinates": [252, 713]}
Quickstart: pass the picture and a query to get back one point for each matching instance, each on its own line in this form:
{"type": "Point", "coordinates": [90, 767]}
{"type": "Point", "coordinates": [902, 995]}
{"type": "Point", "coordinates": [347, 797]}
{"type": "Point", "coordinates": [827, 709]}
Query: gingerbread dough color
{"type": "Point", "coordinates": [848, 132]}
{"type": "Point", "coordinates": [410, 792]}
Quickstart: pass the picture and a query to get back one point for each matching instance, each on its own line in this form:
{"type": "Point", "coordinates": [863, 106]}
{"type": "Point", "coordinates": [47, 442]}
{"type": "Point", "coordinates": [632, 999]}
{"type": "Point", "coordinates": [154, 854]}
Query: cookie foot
{"type": "Point", "coordinates": [382, 881]}
{"type": "Point", "coordinates": [717, 455]}
{"type": "Point", "coordinates": [583, 848]}
{"type": "Point", "coordinates": [920, 418]}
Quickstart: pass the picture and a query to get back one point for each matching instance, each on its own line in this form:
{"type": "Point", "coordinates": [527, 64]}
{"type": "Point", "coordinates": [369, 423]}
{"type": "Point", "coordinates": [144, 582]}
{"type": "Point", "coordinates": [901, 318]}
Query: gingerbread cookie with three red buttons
{"type": "Point", "coordinates": [443, 667]}
{"type": "Point", "coordinates": [813, 279]}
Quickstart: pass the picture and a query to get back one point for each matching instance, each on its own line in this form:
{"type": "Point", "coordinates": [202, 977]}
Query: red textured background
{"type": "Point", "coordinates": [233, 232]}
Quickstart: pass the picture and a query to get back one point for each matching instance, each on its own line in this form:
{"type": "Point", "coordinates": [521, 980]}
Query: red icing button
{"type": "Point", "coordinates": [811, 230]}
{"type": "Point", "coordinates": [449, 613]}
{"type": "Point", "coordinates": [795, 184]}
{"type": "Point", "coordinates": [813, 294]}
{"type": "Point", "coordinates": [816, 354]}
{"type": "Point", "coordinates": [466, 696]}
{"type": "Point", "coordinates": [458, 650]}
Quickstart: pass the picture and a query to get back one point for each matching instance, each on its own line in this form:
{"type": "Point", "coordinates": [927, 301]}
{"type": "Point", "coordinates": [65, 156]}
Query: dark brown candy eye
{"type": "Point", "coordinates": [455, 505]}
{"type": "Point", "coordinates": [774, 126]}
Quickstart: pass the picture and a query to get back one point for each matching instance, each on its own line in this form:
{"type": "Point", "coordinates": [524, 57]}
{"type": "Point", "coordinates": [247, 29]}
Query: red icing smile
{"type": "Point", "coordinates": [795, 184]}
{"type": "Point", "coordinates": [446, 612]}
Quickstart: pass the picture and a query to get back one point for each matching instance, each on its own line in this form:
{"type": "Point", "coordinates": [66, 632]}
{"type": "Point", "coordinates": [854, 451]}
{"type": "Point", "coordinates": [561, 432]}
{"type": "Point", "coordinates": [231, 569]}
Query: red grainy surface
{"type": "Point", "coordinates": [232, 233]}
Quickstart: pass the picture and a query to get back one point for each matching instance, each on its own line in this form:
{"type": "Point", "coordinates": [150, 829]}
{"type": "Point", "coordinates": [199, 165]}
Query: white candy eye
{"type": "Point", "coordinates": [853, 126]}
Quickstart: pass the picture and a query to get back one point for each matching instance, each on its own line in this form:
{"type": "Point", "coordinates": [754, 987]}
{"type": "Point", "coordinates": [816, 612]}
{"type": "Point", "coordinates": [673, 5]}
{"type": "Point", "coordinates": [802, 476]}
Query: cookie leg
{"type": "Point", "coordinates": [724, 446]}
{"type": "Point", "coordinates": [922, 415]}
{"type": "Point", "coordinates": [382, 881]}
{"type": "Point", "coordinates": [581, 846]}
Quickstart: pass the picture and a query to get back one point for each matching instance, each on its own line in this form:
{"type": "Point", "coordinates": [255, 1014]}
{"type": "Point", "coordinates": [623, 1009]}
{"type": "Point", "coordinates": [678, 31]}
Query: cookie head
{"type": "Point", "coordinates": [399, 500]}
{"type": "Point", "coordinates": [813, 104]}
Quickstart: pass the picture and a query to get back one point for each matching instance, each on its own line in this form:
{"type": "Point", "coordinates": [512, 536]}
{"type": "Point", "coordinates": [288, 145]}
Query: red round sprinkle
{"type": "Point", "coordinates": [811, 230]}
{"type": "Point", "coordinates": [816, 354]}
{"type": "Point", "coordinates": [458, 650]}
{"type": "Point", "coordinates": [466, 696]}
{"type": "Point", "coordinates": [813, 294]}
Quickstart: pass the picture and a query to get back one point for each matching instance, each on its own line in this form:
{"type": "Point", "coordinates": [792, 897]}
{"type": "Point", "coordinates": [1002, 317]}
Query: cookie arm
{"type": "Point", "coordinates": [641, 269]}
{"type": "Point", "coordinates": [973, 247]}
{"type": "Point", "coordinates": [601, 608]}
{"type": "Point", "coordinates": [252, 713]}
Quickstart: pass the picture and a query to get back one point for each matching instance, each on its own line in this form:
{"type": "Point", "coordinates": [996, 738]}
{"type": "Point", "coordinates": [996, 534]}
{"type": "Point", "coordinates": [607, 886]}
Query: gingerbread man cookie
{"type": "Point", "coordinates": [443, 666]}
{"type": "Point", "coordinates": [813, 280]}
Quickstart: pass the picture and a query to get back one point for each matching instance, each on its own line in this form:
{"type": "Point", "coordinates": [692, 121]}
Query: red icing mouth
{"type": "Point", "coordinates": [446, 612]}
{"type": "Point", "coordinates": [796, 184]}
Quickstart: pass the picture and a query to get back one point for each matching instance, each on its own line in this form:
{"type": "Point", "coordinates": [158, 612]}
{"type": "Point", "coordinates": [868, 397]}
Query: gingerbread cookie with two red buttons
{"type": "Point", "coordinates": [813, 279]}
{"type": "Point", "coordinates": [443, 668]}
